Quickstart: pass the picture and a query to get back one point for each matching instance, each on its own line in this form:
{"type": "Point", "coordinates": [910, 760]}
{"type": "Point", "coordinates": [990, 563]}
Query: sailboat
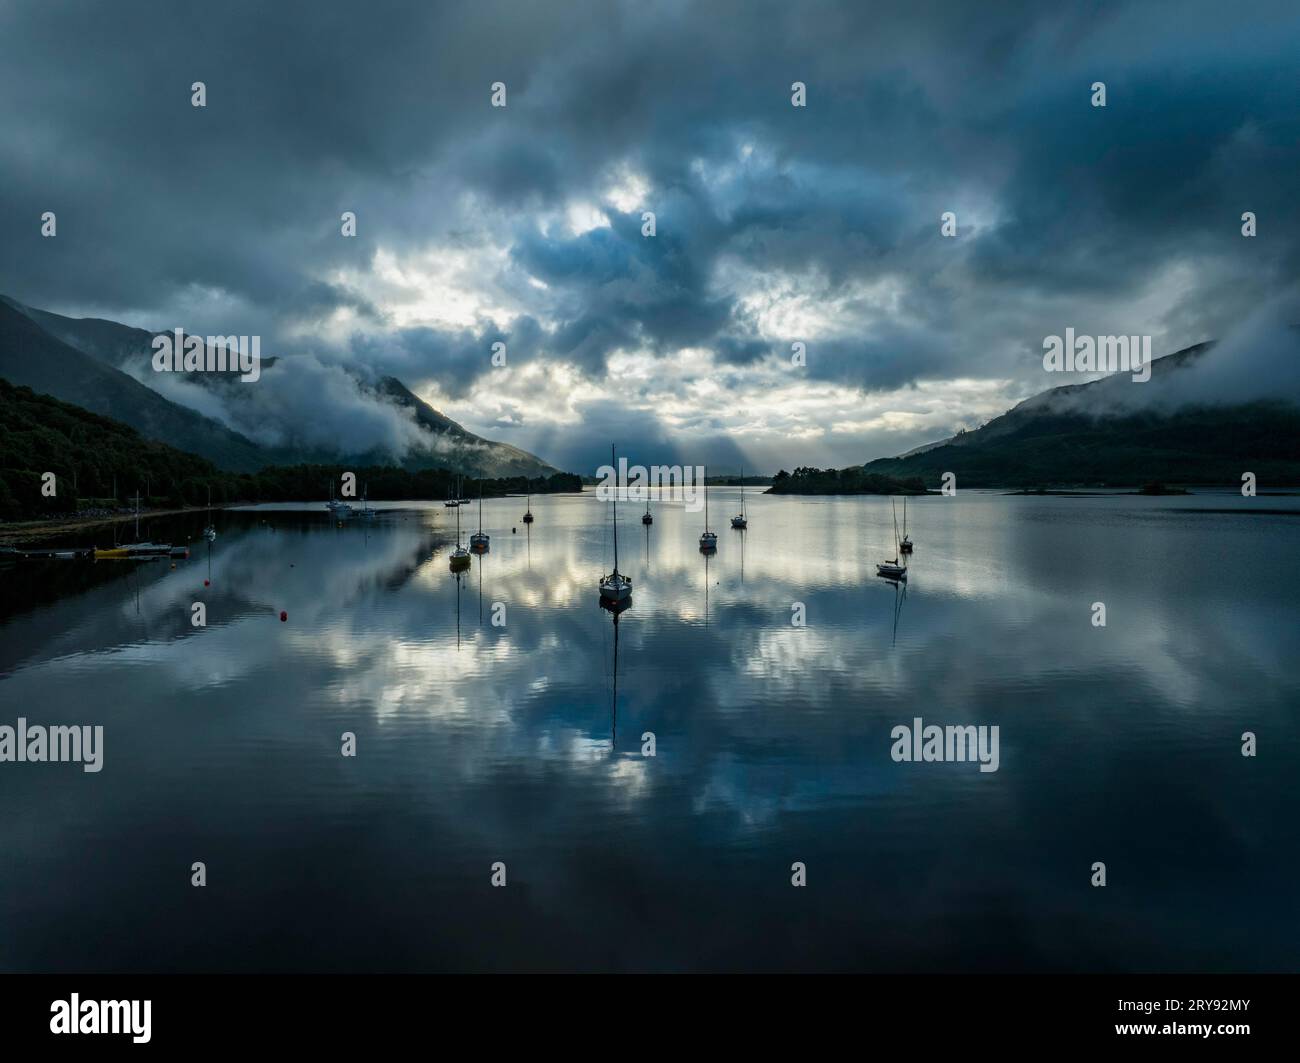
{"type": "Point", "coordinates": [892, 569]}
{"type": "Point", "coordinates": [615, 587]}
{"type": "Point", "coordinates": [367, 511]}
{"type": "Point", "coordinates": [210, 532]}
{"type": "Point", "coordinates": [478, 542]}
{"type": "Point", "coordinates": [905, 544]}
{"type": "Point", "coordinates": [138, 550]}
{"type": "Point", "coordinates": [740, 520]}
{"type": "Point", "coordinates": [646, 519]}
{"type": "Point", "coordinates": [338, 507]}
{"type": "Point", "coordinates": [460, 556]}
{"type": "Point", "coordinates": [528, 505]}
{"type": "Point", "coordinates": [709, 540]}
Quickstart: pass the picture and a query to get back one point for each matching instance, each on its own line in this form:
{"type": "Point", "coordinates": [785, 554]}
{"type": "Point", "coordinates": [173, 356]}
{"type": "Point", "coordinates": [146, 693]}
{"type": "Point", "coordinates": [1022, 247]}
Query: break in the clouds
{"type": "Point", "coordinates": [774, 224]}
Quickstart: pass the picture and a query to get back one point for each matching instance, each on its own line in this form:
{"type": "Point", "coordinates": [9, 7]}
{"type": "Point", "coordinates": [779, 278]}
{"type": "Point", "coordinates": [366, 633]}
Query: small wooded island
{"type": "Point", "coordinates": [851, 481]}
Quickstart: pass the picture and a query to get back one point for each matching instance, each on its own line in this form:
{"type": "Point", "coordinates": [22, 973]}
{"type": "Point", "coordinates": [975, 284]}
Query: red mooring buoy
{"type": "Point", "coordinates": [283, 616]}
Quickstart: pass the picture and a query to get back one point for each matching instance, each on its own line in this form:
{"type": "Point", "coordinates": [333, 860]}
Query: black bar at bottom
{"type": "Point", "coordinates": [342, 1012]}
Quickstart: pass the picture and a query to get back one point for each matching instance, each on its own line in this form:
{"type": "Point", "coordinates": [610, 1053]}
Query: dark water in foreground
{"type": "Point", "coordinates": [480, 743]}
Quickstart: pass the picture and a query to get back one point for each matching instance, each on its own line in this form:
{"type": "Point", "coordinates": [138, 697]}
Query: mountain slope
{"type": "Point", "coordinates": [487, 456]}
{"type": "Point", "coordinates": [89, 454]}
{"type": "Point", "coordinates": [439, 442]}
{"type": "Point", "coordinates": [31, 357]}
{"type": "Point", "coordinates": [1103, 433]}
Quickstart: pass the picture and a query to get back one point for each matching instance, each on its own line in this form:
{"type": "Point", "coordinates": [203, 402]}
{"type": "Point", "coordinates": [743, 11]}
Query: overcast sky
{"type": "Point", "coordinates": [775, 224]}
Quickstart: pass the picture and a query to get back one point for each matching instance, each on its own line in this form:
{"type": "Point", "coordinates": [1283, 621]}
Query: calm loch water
{"type": "Point", "coordinates": [480, 742]}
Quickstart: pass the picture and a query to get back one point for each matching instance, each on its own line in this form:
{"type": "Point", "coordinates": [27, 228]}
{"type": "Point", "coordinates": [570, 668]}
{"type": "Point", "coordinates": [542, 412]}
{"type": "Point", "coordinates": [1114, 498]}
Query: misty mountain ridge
{"type": "Point", "coordinates": [1209, 413]}
{"type": "Point", "coordinates": [301, 410]}
{"type": "Point", "coordinates": [32, 357]}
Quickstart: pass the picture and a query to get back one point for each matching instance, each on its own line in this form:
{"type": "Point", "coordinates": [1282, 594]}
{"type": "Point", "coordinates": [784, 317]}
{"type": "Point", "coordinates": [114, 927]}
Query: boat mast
{"type": "Point", "coordinates": [704, 485]}
{"type": "Point", "coordinates": [480, 505]}
{"type": "Point", "coordinates": [742, 490]}
{"type": "Point", "coordinates": [613, 463]}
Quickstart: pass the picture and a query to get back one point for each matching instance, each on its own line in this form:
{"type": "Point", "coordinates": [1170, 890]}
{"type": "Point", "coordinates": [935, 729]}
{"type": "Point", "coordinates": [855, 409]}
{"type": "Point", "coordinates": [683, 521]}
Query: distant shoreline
{"type": "Point", "coordinates": [22, 533]}
{"type": "Point", "coordinates": [27, 531]}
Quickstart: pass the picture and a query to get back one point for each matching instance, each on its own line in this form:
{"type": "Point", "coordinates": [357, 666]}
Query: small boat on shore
{"type": "Point", "coordinates": [81, 553]}
{"type": "Point", "coordinates": [140, 551]}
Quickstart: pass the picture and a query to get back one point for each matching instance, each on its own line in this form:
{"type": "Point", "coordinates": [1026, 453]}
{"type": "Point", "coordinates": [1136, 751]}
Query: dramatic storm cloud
{"type": "Point", "coordinates": [774, 224]}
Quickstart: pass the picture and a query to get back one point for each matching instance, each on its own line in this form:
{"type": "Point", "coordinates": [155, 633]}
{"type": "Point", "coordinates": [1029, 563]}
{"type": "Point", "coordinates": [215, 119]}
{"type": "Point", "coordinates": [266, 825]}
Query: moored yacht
{"type": "Point", "coordinates": [740, 520]}
{"type": "Point", "coordinates": [709, 539]}
{"type": "Point", "coordinates": [460, 556]}
{"type": "Point", "coordinates": [479, 541]}
{"type": "Point", "coordinates": [615, 587]}
{"type": "Point", "coordinates": [892, 569]}
{"type": "Point", "coordinates": [367, 511]}
{"type": "Point", "coordinates": [210, 531]}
